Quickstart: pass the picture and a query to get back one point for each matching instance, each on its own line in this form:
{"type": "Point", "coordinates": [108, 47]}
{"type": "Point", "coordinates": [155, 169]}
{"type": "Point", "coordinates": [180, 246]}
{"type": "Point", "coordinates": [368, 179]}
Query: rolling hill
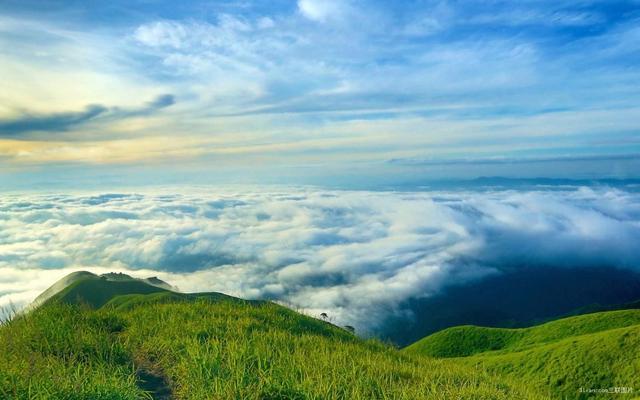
{"type": "Point", "coordinates": [104, 338]}
{"type": "Point", "coordinates": [464, 341]}
{"type": "Point", "coordinates": [517, 298]}
{"type": "Point", "coordinates": [593, 351]}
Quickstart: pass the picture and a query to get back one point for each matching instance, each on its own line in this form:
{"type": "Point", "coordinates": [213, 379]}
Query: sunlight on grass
{"type": "Point", "coordinates": [219, 350]}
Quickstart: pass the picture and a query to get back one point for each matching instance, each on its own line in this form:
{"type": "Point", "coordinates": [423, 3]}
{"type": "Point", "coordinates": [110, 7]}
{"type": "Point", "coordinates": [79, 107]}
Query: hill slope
{"type": "Point", "coordinates": [594, 351]}
{"type": "Point", "coordinates": [166, 345]}
{"type": "Point", "coordinates": [519, 297]}
{"type": "Point", "coordinates": [119, 291]}
{"type": "Point", "coordinates": [464, 341]}
{"type": "Point", "coordinates": [95, 290]}
{"type": "Point", "coordinates": [602, 360]}
{"type": "Point", "coordinates": [116, 337]}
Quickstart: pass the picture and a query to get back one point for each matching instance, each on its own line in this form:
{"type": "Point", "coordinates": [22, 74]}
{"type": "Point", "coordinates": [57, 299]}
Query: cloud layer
{"type": "Point", "coordinates": [354, 255]}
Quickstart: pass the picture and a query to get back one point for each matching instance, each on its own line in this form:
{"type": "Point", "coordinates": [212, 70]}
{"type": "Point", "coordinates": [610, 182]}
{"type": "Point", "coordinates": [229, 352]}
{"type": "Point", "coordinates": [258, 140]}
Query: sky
{"type": "Point", "coordinates": [316, 91]}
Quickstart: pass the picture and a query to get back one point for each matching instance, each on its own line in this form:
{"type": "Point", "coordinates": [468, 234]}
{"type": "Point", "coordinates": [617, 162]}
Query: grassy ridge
{"type": "Point", "coordinates": [469, 340]}
{"type": "Point", "coordinates": [588, 351]}
{"type": "Point", "coordinates": [129, 301]}
{"type": "Point", "coordinates": [222, 349]}
{"type": "Point", "coordinates": [462, 341]}
{"type": "Point", "coordinates": [96, 291]}
{"type": "Point", "coordinates": [269, 352]}
{"type": "Point", "coordinates": [598, 360]}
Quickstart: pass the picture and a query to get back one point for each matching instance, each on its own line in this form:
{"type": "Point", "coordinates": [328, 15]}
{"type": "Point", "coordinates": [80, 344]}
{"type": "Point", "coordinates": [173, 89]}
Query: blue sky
{"type": "Point", "coordinates": [312, 91]}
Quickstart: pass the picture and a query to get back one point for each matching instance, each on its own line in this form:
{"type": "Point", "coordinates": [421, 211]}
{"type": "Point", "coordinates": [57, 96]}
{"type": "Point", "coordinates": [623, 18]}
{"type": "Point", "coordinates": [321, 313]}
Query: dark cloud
{"type": "Point", "coordinates": [66, 121]}
{"type": "Point", "coordinates": [162, 101]}
{"type": "Point", "coordinates": [56, 122]}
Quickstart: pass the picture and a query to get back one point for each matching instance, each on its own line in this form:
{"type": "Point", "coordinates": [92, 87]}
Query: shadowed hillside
{"type": "Point", "coordinates": [95, 290]}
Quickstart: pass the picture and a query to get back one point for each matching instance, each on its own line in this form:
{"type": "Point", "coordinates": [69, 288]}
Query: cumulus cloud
{"type": "Point", "coordinates": [355, 255]}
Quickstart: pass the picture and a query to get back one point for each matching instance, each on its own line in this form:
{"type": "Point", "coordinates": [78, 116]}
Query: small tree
{"type": "Point", "coordinates": [324, 316]}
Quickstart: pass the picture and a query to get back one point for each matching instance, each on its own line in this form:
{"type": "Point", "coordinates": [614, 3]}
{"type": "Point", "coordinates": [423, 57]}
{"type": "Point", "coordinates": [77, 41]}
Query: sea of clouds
{"type": "Point", "coordinates": [356, 255]}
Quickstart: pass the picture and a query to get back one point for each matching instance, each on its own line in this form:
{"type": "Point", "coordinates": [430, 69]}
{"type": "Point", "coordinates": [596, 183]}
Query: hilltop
{"type": "Point", "coordinates": [96, 290]}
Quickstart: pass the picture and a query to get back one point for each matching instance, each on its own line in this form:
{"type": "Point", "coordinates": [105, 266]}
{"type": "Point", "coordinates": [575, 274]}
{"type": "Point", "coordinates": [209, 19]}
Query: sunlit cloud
{"type": "Point", "coordinates": [321, 11]}
{"type": "Point", "coordinates": [338, 80]}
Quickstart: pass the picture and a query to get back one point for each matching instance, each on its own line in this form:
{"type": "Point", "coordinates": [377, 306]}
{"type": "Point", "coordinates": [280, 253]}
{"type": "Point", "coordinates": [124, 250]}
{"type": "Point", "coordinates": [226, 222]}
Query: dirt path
{"type": "Point", "coordinates": [153, 382]}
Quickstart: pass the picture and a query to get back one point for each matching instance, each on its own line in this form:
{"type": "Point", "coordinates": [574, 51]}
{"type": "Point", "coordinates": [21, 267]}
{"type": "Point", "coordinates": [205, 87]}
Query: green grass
{"type": "Point", "coordinates": [65, 352]}
{"type": "Point", "coordinates": [589, 351]}
{"type": "Point", "coordinates": [212, 347]}
{"type": "Point", "coordinates": [129, 301]}
{"type": "Point", "coordinates": [464, 341]}
{"type": "Point", "coordinates": [96, 291]}
{"type": "Point", "coordinates": [597, 360]}
{"type": "Point", "coordinates": [228, 350]}
{"type": "Point", "coordinates": [111, 339]}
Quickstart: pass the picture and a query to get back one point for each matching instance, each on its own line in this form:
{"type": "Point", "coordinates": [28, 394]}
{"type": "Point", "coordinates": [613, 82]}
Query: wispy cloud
{"type": "Point", "coordinates": [422, 79]}
{"type": "Point", "coordinates": [64, 121]}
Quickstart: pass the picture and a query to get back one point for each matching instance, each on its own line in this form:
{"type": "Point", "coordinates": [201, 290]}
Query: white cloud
{"type": "Point", "coordinates": [354, 255]}
{"type": "Point", "coordinates": [162, 33]}
{"type": "Point", "coordinates": [275, 79]}
{"type": "Point", "coordinates": [266, 23]}
{"type": "Point", "coordinates": [323, 10]}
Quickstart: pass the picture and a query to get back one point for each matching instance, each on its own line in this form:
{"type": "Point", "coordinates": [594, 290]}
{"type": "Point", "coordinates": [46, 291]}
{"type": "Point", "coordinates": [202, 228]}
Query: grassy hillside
{"type": "Point", "coordinates": [202, 347]}
{"type": "Point", "coordinates": [464, 341]}
{"type": "Point", "coordinates": [129, 301]}
{"type": "Point", "coordinates": [115, 337]}
{"type": "Point", "coordinates": [96, 290]}
{"type": "Point", "coordinates": [600, 360]}
{"type": "Point", "coordinates": [589, 351]}
{"type": "Point", "coordinates": [518, 298]}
